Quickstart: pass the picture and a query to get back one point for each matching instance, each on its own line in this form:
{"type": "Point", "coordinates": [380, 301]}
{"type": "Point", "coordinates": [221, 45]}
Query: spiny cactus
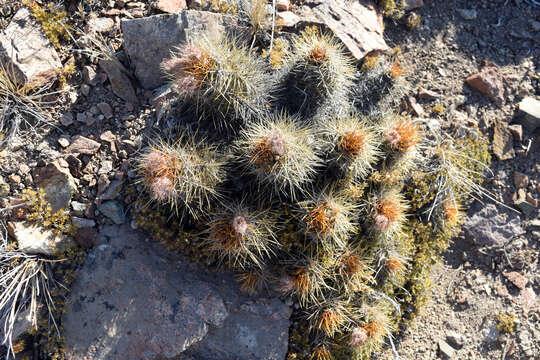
{"type": "Point", "coordinates": [351, 144]}
{"type": "Point", "coordinates": [184, 175]}
{"type": "Point", "coordinates": [345, 205]}
{"type": "Point", "coordinates": [223, 79]}
{"type": "Point", "coordinates": [319, 68]}
{"type": "Point", "coordinates": [240, 236]}
{"type": "Point", "coordinates": [280, 153]}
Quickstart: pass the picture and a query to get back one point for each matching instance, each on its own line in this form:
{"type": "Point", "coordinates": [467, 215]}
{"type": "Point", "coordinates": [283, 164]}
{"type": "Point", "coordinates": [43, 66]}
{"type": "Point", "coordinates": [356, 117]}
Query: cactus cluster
{"type": "Point", "coordinates": [319, 196]}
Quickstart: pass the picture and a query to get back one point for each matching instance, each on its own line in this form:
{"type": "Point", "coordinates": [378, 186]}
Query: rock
{"type": "Point", "coordinates": [63, 142]}
{"type": "Point", "coordinates": [528, 300]}
{"type": "Point", "coordinates": [490, 333]}
{"type": "Point", "coordinates": [446, 350]}
{"type": "Point", "coordinates": [428, 94]}
{"type": "Point", "coordinates": [490, 227]}
{"type": "Point", "coordinates": [34, 239]}
{"type": "Point", "coordinates": [516, 278]}
{"type": "Point", "coordinates": [81, 117]}
{"type": "Point", "coordinates": [145, 303]}
{"type": "Point", "coordinates": [357, 24]}
{"type": "Point", "coordinates": [100, 25]}
{"type": "Point", "coordinates": [80, 223]}
{"type": "Point", "coordinates": [517, 132]}
{"type": "Point", "coordinates": [78, 207]}
{"type": "Point", "coordinates": [489, 81]}
{"type": "Point", "coordinates": [87, 237]}
{"type": "Point", "coordinates": [120, 83]}
{"type": "Point", "coordinates": [467, 14]}
{"type": "Point", "coordinates": [503, 142]}
{"type": "Point", "coordinates": [67, 119]}
{"type": "Point", "coordinates": [287, 18]}
{"type": "Point", "coordinates": [105, 109]}
{"type": "Point", "coordinates": [456, 339]}
{"type": "Point", "coordinates": [170, 6]}
{"type": "Point", "coordinates": [85, 89]}
{"type": "Point", "coordinates": [520, 180]}
{"type": "Point", "coordinates": [58, 184]}
{"type": "Point", "coordinates": [530, 108]}
{"type": "Point", "coordinates": [283, 5]}
{"type": "Point", "coordinates": [25, 47]}
{"type": "Point", "coordinates": [148, 41]}
{"type": "Point", "coordinates": [90, 76]}
{"type": "Point", "coordinates": [23, 324]}
{"type": "Point", "coordinates": [412, 4]}
{"type": "Point", "coordinates": [83, 145]}
{"type": "Point", "coordinates": [113, 210]}
{"type": "Point", "coordinates": [113, 190]}
{"type": "Point", "coordinates": [416, 107]}
{"type": "Point", "coordinates": [526, 207]}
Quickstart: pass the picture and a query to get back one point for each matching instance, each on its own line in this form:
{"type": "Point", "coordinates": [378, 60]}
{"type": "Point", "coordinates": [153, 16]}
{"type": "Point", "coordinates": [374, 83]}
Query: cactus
{"type": "Point", "coordinates": [345, 211]}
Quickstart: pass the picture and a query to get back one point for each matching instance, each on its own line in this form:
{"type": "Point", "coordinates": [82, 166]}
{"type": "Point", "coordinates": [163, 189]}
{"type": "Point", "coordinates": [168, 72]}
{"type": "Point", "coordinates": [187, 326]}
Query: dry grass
{"type": "Point", "coordinates": [25, 283]}
{"type": "Point", "coordinates": [22, 108]}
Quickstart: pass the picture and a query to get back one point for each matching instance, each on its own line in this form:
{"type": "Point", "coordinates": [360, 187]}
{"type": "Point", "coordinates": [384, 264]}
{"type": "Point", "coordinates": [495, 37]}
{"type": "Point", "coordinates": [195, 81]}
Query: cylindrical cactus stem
{"type": "Point", "coordinates": [185, 175]}
{"type": "Point", "coordinates": [351, 145]}
{"type": "Point", "coordinates": [222, 78]}
{"type": "Point", "coordinates": [401, 142]}
{"type": "Point", "coordinates": [330, 316]}
{"type": "Point", "coordinates": [280, 153]}
{"type": "Point", "coordinates": [242, 237]}
{"type": "Point", "coordinates": [386, 216]}
{"type": "Point", "coordinates": [321, 67]}
{"type": "Point", "coordinates": [328, 219]}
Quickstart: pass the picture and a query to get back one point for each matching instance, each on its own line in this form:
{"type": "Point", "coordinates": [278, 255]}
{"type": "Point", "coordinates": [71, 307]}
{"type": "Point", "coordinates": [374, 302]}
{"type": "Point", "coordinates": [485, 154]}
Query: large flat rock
{"type": "Point", "coordinates": [356, 23]}
{"type": "Point", "coordinates": [150, 40]}
{"type": "Point", "coordinates": [134, 300]}
{"type": "Point", "coordinates": [26, 53]}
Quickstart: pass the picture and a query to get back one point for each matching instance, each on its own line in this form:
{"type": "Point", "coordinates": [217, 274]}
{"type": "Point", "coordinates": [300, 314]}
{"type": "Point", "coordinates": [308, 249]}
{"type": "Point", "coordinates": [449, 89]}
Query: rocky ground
{"type": "Point", "coordinates": [100, 121]}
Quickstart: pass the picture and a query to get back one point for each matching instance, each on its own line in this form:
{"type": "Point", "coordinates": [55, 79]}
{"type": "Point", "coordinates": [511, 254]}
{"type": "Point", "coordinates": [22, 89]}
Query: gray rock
{"type": "Point", "coordinates": [134, 300]}
{"type": "Point", "coordinates": [148, 41]}
{"type": "Point", "coordinates": [446, 350]}
{"type": "Point", "coordinates": [90, 76]}
{"type": "Point", "coordinates": [67, 119]}
{"type": "Point", "coordinates": [530, 107]}
{"type": "Point", "coordinates": [412, 4]}
{"type": "Point", "coordinates": [25, 49]}
{"type": "Point", "coordinates": [120, 82]}
{"type": "Point", "coordinates": [526, 207]}
{"type": "Point", "coordinates": [356, 23]}
{"type": "Point", "coordinates": [34, 239]}
{"type": "Point", "coordinates": [100, 25]}
{"type": "Point", "coordinates": [112, 191]}
{"type": "Point", "coordinates": [83, 145]}
{"type": "Point", "coordinates": [489, 226]}
{"type": "Point", "coordinates": [64, 142]}
{"type": "Point", "coordinates": [113, 210]}
{"type": "Point", "coordinates": [490, 333]}
{"type": "Point", "coordinates": [80, 223]}
{"type": "Point", "coordinates": [23, 324]}
{"type": "Point", "coordinates": [58, 184]}
{"type": "Point", "coordinates": [467, 14]}
{"type": "Point", "coordinates": [105, 109]}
